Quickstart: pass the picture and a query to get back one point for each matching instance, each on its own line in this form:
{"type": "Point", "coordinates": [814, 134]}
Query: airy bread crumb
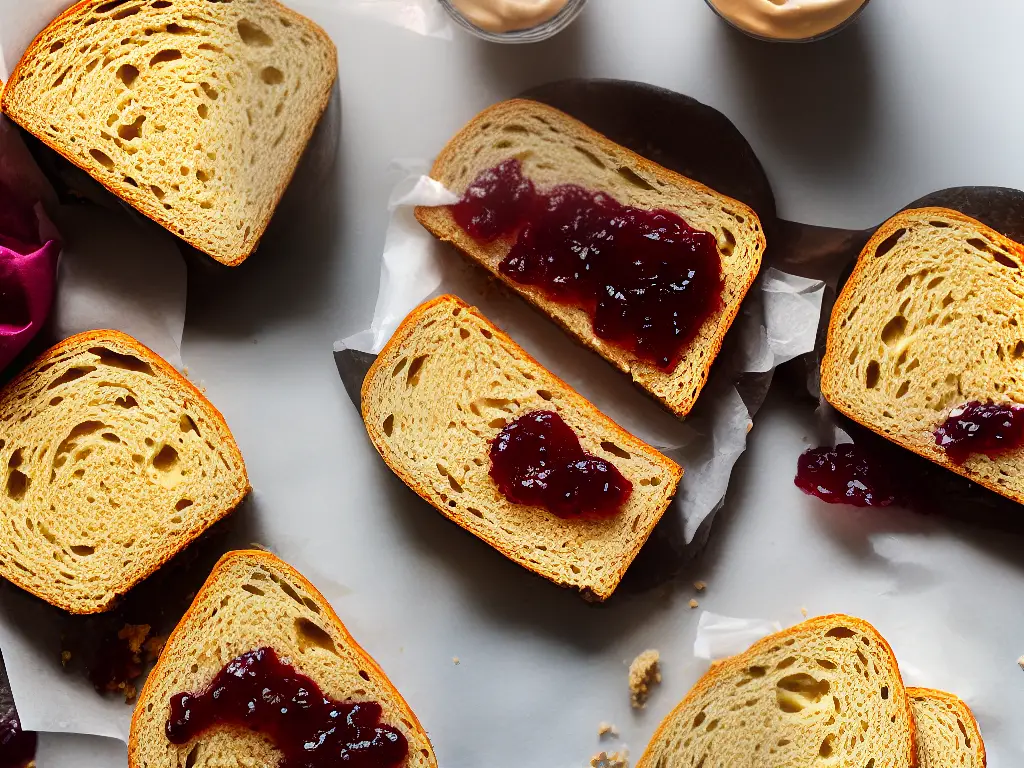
{"type": "Point", "coordinates": [700, 586]}
{"type": "Point", "coordinates": [1020, 662]}
{"type": "Point", "coordinates": [605, 728]}
{"type": "Point", "coordinates": [694, 604]}
{"type": "Point", "coordinates": [644, 673]}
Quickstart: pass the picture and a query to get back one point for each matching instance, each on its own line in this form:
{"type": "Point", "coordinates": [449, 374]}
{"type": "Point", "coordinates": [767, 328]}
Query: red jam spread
{"type": "Point", "coordinates": [648, 280]}
{"type": "Point", "coordinates": [846, 474]}
{"type": "Point", "coordinates": [17, 747]}
{"type": "Point", "coordinates": [538, 460]}
{"type": "Point", "coordinates": [985, 428]}
{"type": "Point", "coordinates": [259, 691]}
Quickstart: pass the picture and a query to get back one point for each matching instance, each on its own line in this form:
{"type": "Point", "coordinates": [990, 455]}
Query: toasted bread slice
{"type": "Point", "coordinates": [111, 463]}
{"type": "Point", "coordinates": [556, 149]}
{"type": "Point", "coordinates": [195, 112]}
{"type": "Point", "coordinates": [254, 600]}
{"type": "Point", "coordinates": [442, 389]}
{"type": "Point", "coordinates": [825, 692]}
{"type": "Point", "coordinates": [930, 319]}
{"type": "Point", "coordinates": [947, 733]}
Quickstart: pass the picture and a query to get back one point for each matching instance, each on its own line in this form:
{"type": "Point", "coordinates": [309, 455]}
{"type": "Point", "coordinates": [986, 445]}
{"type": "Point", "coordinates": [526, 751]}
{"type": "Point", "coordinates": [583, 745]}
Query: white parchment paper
{"type": "Point", "coordinates": [415, 267]}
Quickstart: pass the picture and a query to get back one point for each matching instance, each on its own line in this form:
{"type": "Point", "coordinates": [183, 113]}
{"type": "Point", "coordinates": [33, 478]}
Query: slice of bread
{"type": "Point", "coordinates": [825, 692]}
{"type": "Point", "coordinates": [948, 735]}
{"type": "Point", "coordinates": [931, 318]}
{"type": "Point", "coordinates": [557, 149]}
{"type": "Point", "coordinates": [110, 464]}
{"type": "Point", "coordinates": [254, 600]}
{"type": "Point", "coordinates": [195, 112]}
{"type": "Point", "coordinates": [442, 389]}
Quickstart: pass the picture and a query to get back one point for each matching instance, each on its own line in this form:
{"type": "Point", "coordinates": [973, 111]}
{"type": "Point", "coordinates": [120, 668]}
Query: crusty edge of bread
{"type": "Point", "coordinates": [961, 706]}
{"type": "Point", "coordinates": [165, 368]}
{"type": "Point", "coordinates": [135, 199]}
{"type": "Point", "coordinates": [274, 562]}
{"type": "Point", "coordinates": [829, 364]}
{"type": "Point", "coordinates": [738, 662]}
{"type": "Point", "coordinates": [427, 217]}
{"type": "Point", "coordinates": [404, 331]}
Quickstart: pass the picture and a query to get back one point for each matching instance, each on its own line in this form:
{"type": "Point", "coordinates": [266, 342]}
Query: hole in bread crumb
{"type": "Point", "coordinates": [166, 459]}
{"type": "Point", "coordinates": [413, 377]}
{"type": "Point", "coordinates": [290, 591]}
{"type": "Point", "coordinates": [203, 110]}
{"type": "Point", "coordinates": [102, 158]}
{"type": "Point", "coordinates": [389, 424]}
{"type": "Point", "coordinates": [272, 76]}
{"type": "Point", "coordinates": [872, 374]}
{"type": "Point", "coordinates": [841, 632]}
{"type": "Point", "coordinates": [497, 423]}
{"type": "Point", "coordinates": [133, 131]}
{"type": "Point", "coordinates": [118, 360]}
{"type": "Point", "coordinates": [614, 450]}
{"type": "Point", "coordinates": [157, 191]}
{"type": "Point", "coordinates": [590, 156]}
{"type": "Point", "coordinates": [182, 505]}
{"type": "Point", "coordinates": [253, 35]}
{"type": "Point", "coordinates": [700, 718]}
{"type": "Point", "coordinates": [17, 482]}
{"type": "Point", "coordinates": [825, 750]}
{"type": "Point", "coordinates": [83, 550]}
{"type": "Point", "coordinates": [170, 54]}
{"type": "Point", "coordinates": [363, 674]}
{"type": "Point", "coordinates": [313, 636]}
{"type": "Point", "coordinates": [889, 243]}
{"type": "Point", "coordinates": [186, 424]}
{"type": "Point", "coordinates": [894, 330]}
{"type": "Point", "coordinates": [126, 402]}
{"type": "Point", "coordinates": [797, 692]}
{"type": "Point", "coordinates": [127, 74]}
{"type": "Point", "coordinates": [632, 177]}
{"type": "Point", "coordinates": [904, 388]}
{"type": "Point", "coordinates": [825, 664]}
{"type": "Point", "coordinates": [757, 671]}
{"type": "Point", "coordinates": [885, 692]}
{"type": "Point", "coordinates": [1006, 261]}
{"type": "Point", "coordinates": [56, 46]}
{"type": "Point", "coordinates": [71, 374]}
{"type": "Point", "coordinates": [193, 753]}
{"type": "Point", "coordinates": [254, 590]}
{"type": "Point", "coordinates": [544, 394]}
{"type": "Point", "coordinates": [399, 366]}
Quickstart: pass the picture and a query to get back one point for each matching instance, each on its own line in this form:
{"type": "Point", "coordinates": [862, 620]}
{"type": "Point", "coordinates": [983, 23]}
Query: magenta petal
{"type": "Point", "coordinates": [26, 294]}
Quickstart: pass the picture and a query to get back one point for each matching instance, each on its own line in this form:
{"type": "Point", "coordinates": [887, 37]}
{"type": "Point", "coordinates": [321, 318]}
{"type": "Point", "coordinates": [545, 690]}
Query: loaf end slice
{"type": "Point", "coordinates": [948, 734]}
{"type": "Point", "coordinates": [825, 692]}
{"type": "Point", "coordinates": [254, 600]}
{"type": "Point", "coordinates": [443, 388]}
{"type": "Point", "coordinates": [194, 112]}
{"type": "Point", "coordinates": [111, 463]}
{"type": "Point", "coordinates": [931, 318]}
{"type": "Point", "coordinates": [555, 149]}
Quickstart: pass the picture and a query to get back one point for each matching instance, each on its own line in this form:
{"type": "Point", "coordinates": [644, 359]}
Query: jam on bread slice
{"type": "Point", "coordinates": [682, 256]}
{"type": "Point", "coordinates": [505, 449]}
{"type": "Point", "coordinates": [261, 671]}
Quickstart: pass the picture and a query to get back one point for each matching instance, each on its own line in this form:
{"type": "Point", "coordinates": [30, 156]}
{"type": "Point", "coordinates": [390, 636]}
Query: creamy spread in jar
{"type": "Point", "coordinates": [787, 19]}
{"type": "Point", "coordinates": [508, 15]}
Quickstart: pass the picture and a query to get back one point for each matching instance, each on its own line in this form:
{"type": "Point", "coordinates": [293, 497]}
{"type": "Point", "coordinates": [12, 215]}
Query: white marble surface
{"type": "Point", "coordinates": [919, 95]}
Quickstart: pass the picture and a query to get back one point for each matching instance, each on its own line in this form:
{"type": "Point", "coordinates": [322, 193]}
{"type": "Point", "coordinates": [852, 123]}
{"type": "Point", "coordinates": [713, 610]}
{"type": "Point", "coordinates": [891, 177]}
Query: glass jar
{"type": "Point", "coordinates": [776, 39]}
{"type": "Point", "coordinates": [542, 31]}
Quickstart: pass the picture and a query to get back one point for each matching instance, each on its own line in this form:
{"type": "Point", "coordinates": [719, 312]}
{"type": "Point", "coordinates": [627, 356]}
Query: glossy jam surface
{"type": "Point", "coordinates": [17, 747]}
{"type": "Point", "coordinates": [259, 691]}
{"type": "Point", "coordinates": [538, 460]}
{"type": "Point", "coordinates": [648, 280]}
{"type": "Point", "coordinates": [846, 474]}
{"type": "Point", "coordinates": [976, 427]}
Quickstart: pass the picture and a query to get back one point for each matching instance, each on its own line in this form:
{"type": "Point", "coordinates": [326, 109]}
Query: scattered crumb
{"type": "Point", "coordinates": [184, 371]}
{"type": "Point", "coordinates": [618, 759]}
{"type": "Point", "coordinates": [134, 636]}
{"type": "Point", "coordinates": [700, 586]}
{"type": "Point", "coordinates": [154, 647]}
{"type": "Point", "coordinates": [65, 657]}
{"type": "Point", "coordinates": [455, 660]}
{"type": "Point", "coordinates": [607, 729]}
{"type": "Point", "coordinates": [644, 673]}
{"type": "Point", "coordinates": [130, 692]}
{"type": "Point", "coordinates": [804, 612]}
{"type": "Point", "coordinates": [1020, 662]}
{"type": "Point", "coordinates": [694, 604]}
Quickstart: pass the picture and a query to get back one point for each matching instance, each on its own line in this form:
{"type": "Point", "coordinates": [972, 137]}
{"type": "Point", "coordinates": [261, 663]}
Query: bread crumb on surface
{"type": "Point", "coordinates": [65, 657]}
{"type": "Point", "coordinates": [644, 673]}
{"type": "Point", "coordinates": [134, 636]}
{"type": "Point", "coordinates": [607, 729]}
{"type": "Point", "coordinates": [700, 586]}
{"type": "Point", "coordinates": [694, 604]}
{"type": "Point", "coordinates": [456, 661]}
{"type": "Point", "coordinates": [1020, 662]}
{"type": "Point", "coordinates": [618, 759]}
